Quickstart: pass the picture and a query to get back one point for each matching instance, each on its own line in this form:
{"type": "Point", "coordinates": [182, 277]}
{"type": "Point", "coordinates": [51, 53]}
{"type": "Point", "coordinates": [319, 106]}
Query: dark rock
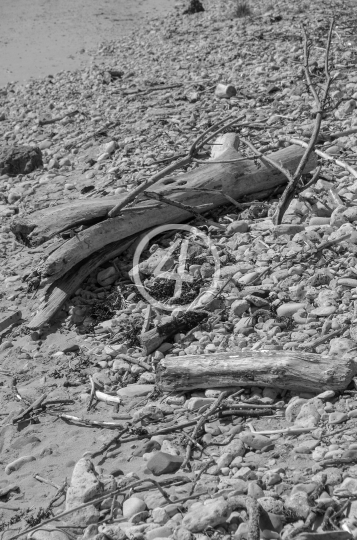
{"type": "Point", "coordinates": [20, 160]}
{"type": "Point", "coordinates": [162, 463]}
{"type": "Point", "coordinates": [194, 7]}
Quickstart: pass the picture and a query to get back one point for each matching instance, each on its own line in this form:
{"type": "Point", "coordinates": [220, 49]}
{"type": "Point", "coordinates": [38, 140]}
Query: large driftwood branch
{"type": "Point", "coordinates": [280, 369]}
{"type": "Point", "coordinates": [58, 293]}
{"type": "Point", "coordinates": [235, 179]}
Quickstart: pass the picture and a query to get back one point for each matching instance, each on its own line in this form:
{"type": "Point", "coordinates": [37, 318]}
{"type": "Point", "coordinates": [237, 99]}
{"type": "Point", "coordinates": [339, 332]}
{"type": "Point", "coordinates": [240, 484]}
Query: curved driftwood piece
{"type": "Point", "coordinates": [37, 227]}
{"type": "Point", "coordinates": [58, 293]}
{"type": "Point", "coordinates": [235, 179]}
{"type": "Point", "coordinates": [280, 369]}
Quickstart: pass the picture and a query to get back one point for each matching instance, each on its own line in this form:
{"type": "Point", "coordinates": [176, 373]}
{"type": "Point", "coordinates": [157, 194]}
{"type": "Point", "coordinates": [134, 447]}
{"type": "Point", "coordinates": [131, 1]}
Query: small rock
{"type": "Point", "coordinates": [107, 276]}
{"type": "Point", "coordinates": [306, 447]}
{"type": "Point", "coordinates": [197, 402]}
{"type": "Point", "coordinates": [256, 441]}
{"type": "Point", "coordinates": [84, 486]}
{"type": "Point", "coordinates": [238, 226]}
{"type": "Point", "coordinates": [348, 488]}
{"type": "Point", "coordinates": [20, 160]}
{"type": "Point", "coordinates": [162, 463]}
{"type": "Point", "coordinates": [324, 311]}
{"type": "Point", "coordinates": [207, 515]}
{"type": "Point", "coordinates": [337, 418]}
{"type": "Point", "coordinates": [160, 516]}
{"type": "Point", "coordinates": [136, 390]}
{"type": "Point", "coordinates": [245, 473]}
{"type": "Point", "coordinates": [325, 396]}
{"type": "Point", "coordinates": [293, 408]}
{"type": "Point", "coordinates": [298, 503]}
{"type": "Point", "coordinates": [340, 346]}
{"type": "Point", "coordinates": [132, 506]}
{"type": "Point", "coordinates": [159, 532]}
{"type": "Point", "coordinates": [254, 490]}
{"type": "Point", "coordinates": [308, 416]}
{"type": "Point", "coordinates": [287, 310]}
{"type": "Point", "coordinates": [272, 505]}
{"type": "Point", "coordinates": [239, 307]}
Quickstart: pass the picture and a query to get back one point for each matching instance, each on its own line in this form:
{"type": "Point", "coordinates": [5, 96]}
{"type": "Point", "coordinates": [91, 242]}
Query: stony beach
{"type": "Point", "coordinates": [239, 419]}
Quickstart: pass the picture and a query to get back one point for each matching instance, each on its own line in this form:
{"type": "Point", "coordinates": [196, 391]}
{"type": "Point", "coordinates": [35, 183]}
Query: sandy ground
{"type": "Point", "coordinates": [39, 37]}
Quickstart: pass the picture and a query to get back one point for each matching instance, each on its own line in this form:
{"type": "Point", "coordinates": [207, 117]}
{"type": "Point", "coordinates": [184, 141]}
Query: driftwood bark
{"type": "Point", "coordinates": [38, 227]}
{"type": "Point", "coordinates": [151, 340]}
{"type": "Point", "coordinates": [58, 293]}
{"type": "Point", "coordinates": [280, 369]}
{"type": "Point", "coordinates": [235, 179]}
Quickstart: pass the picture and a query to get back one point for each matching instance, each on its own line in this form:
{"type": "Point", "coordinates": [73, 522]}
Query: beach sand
{"type": "Point", "coordinates": [41, 37]}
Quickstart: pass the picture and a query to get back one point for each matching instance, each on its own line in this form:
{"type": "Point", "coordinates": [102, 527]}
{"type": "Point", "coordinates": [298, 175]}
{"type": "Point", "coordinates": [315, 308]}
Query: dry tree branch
{"type": "Point", "coordinates": [322, 154]}
{"type": "Point", "coordinates": [213, 407]}
{"type": "Point", "coordinates": [267, 160]}
{"type": "Point", "coordinates": [313, 180]}
{"type": "Point", "coordinates": [186, 207]}
{"type": "Point", "coordinates": [320, 104]}
{"type": "Point", "coordinates": [201, 141]}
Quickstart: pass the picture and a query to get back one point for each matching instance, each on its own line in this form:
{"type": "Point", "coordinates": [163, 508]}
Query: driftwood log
{"type": "Point", "coordinates": [57, 293]}
{"type": "Point", "coordinates": [235, 179]}
{"type": "Point", "coordinates": [280, 369]}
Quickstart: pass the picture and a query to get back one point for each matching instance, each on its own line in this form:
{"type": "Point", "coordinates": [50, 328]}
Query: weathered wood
{"type": "Point", "coordinates": [235, 179]}
{"type": "Point", "coordinates": [58, 293]}
{"type": "Point", "coordinates": [38, 227]}
{"type": "Point", "coordinates": [151, 340]}
{"type": "Point", "coordinates": [280, 369]}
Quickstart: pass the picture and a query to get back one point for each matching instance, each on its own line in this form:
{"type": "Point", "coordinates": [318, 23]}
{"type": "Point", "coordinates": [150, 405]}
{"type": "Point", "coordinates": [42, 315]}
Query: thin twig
{"type": "Point", "coordinates": [92, 393]}
{"type": "Point", "coordinates": [266, 160]}
{"type": "Point", "coordinates": [313, 180]}
{"type": "Point", "coordinates": [35, 405]}
{"type": "Point", "coordinates": [117, 491]}
{"type": "Point", "coordinates": [320, 104]}
{"type": "Point", "coordinates": [214, 406]}
{"type": "Point", "coordinates": [185, 207]}
{"type": "Point", "coordinates": [338, 162]}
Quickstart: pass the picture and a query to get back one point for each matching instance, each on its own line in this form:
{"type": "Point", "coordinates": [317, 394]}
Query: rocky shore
{"type": "Point", "coordinates": [96, 440]}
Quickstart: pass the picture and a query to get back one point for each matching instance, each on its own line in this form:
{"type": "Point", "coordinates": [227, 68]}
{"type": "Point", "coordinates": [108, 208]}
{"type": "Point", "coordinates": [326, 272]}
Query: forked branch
{"type": "Point", "coordinates": [320, 104]}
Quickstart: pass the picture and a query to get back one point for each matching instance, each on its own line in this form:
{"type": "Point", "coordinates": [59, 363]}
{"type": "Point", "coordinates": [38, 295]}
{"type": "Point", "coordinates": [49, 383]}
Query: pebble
{"type": "Point", "coordinates": [337, 418]}
{"type": "Point", "coordinates": [158, 532]}
{"type": "Point", "coordinates": [293, 409]}
{"type": "Point", "coordinates": [84, 486]}
{"type": "Point", "coordinates": [211, 514]}
{"type": "Point", "coordinates": [132, 506]}
{"type": "Point", "coordinates": [306, 447]}
{"type": "Point", "coordinates": [287, 310]}
{"type": "Point", "coordinates": [308, 416]}
{"type": "Point", "coordinates": [135, 390]}
{"type": "Point", "coordinates": [163, 463]}
{"type": "Point", "coordinates": [298, 503]}
{"type": "Point", "coordinates": [255, 441]}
